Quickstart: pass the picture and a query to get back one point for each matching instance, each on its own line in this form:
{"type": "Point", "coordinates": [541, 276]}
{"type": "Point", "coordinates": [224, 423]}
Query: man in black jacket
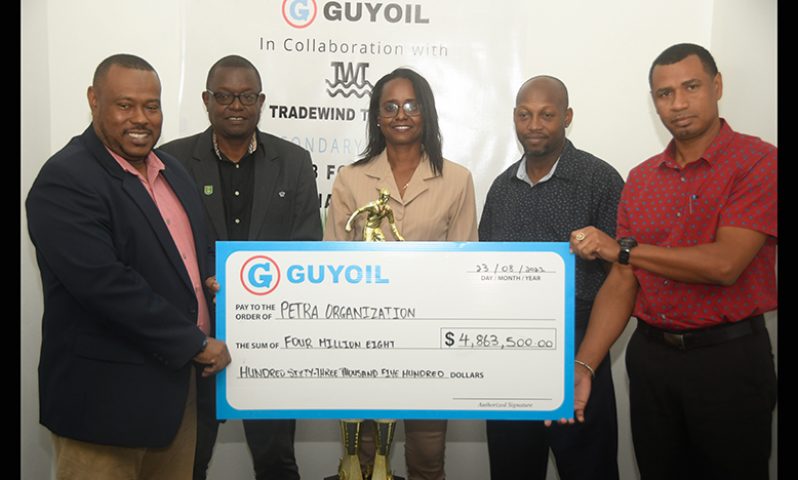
{"type": "Point", "coordinates": [122, 247]}
{"type": "Point", "coordinates": [255, 186]}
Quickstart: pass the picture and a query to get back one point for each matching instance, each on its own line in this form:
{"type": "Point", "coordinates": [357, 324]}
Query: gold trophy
{"type": "Point", "coordinates": [349, 466]}
{"type": "Point", "coordinates": [382, 467]}
{"type": "Point", "coordinates": [376, 210]}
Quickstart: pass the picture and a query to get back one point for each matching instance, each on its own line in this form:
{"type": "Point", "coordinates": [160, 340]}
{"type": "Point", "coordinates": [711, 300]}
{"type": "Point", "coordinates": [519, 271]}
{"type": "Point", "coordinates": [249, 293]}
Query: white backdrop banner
{"type": "Point", "coordinates": [320, 59]}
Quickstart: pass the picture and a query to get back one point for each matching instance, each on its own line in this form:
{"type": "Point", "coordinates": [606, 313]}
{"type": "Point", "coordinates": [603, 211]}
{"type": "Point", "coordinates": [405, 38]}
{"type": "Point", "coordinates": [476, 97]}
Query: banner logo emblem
{"type": "Point", "coordinates": [350, 79]}
{"type": "Point", "coordinates": [260, 275]}
{"type": "Point", "coordinates": [299, 13]}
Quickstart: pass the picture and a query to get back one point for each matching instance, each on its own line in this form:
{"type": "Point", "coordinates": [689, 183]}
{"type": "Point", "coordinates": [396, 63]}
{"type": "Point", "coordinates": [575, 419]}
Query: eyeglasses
{"type": "Point", "coordinates": [224, 98]}
{"type": "Point", "coordinates": [391, 109]}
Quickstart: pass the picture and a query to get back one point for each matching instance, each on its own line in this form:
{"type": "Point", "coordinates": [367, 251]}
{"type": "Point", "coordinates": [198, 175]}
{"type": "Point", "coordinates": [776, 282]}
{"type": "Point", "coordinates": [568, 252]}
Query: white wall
{"type": "Point", "coordinates": [614, 119]}
{"type": "Point", "coordinates": [35, 148]}
{"type": "Point", "coordinates": [744, 46]}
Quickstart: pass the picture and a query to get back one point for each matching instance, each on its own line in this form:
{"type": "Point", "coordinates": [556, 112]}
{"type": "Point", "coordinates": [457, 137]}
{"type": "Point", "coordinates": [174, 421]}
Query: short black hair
{"type": "Point", "coordinates": [232, 61]}
{"type": "Point", "coordinates": [125, 60]}
{"type": "Point", "coordinates": [680, 51]}
{"type": "Point", "coordinates": [431, 140]}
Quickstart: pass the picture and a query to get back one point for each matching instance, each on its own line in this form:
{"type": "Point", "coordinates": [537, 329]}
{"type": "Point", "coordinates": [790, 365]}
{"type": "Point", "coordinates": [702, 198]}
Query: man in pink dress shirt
{"type": "Point", "coordinates": [121, 246]}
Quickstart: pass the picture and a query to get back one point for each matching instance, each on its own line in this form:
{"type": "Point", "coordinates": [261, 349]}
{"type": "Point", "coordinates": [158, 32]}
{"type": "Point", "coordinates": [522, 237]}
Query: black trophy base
{"type": "Point", "coordinates": [335, 477]}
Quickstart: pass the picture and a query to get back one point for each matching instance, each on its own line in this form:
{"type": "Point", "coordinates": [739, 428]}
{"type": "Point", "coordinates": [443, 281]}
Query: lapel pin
{"type": "Point", "coordinates": [281, 193]}
{"type": "Point", "coordinates": [207, 189]}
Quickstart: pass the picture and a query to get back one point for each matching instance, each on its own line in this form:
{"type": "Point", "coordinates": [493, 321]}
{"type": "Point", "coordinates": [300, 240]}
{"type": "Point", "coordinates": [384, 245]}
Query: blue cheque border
{"type": "Point", "coordinates": [226, 411]}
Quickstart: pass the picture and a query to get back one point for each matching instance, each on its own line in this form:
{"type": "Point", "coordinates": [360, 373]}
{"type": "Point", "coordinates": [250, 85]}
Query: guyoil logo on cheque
{"type": "Point", "coordinates": [260, 275]}
{"type": "Point", "coordinates": [302, 13]}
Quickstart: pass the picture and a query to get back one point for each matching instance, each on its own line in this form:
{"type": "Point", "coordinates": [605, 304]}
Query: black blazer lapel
{"type": "Point", "coordinates": [133, 187]}
{"type": "Point", "coordinates": [206, 175]}
{"type": "Point", "coordinates": [185, 188]}
{"type": "Point", "coordinates": [266, 174]}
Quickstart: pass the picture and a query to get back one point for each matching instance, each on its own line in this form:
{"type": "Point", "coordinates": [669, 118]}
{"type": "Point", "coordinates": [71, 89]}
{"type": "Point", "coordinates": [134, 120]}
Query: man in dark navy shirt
{"type": "Point", "coordinates": [552, 191]}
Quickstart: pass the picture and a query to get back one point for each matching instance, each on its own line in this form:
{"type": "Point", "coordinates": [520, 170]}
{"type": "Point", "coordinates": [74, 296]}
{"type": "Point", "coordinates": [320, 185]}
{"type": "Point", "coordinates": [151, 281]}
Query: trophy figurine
{"type": "Point", "coordinates": [349, 466]}
{"type": "Point", "coordinates": [376, 210]}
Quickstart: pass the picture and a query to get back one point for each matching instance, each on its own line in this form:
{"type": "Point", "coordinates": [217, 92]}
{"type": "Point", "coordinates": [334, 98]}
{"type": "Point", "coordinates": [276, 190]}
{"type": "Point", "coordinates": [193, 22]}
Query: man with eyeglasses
{"type": "Point", "coordinates": [255, 186]}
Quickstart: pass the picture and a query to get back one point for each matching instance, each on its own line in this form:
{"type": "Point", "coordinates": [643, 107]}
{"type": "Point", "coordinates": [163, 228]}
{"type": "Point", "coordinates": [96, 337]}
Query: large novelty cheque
{"type": "Point", "coordinates": [396, 330]}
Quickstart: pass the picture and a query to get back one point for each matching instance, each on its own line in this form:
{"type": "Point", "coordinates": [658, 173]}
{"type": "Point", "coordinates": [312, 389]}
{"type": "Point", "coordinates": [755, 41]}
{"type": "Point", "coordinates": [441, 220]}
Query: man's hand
{"type": "Point", "coordinates": [214, 358]}
{"type": "Point", "coordinates": [591, 243]}
{"type": "Point", "coordinates": [582, 385]}
{"type": "Point", "coordinates": [213, 286]}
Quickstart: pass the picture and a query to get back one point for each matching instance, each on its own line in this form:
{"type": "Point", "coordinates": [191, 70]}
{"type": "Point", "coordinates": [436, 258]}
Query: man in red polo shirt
{"type": "Point", "coordinates": [695, 264]}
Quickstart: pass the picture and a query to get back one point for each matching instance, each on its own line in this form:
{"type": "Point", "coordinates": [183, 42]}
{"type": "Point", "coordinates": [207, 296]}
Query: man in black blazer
{"type": "Point", "coordinates": [255, 186]}
{"type": "Point", "coordinates": [122, 249]}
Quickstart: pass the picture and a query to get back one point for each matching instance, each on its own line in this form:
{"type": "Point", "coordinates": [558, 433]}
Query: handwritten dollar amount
{"type": "Point", "coordinates": [500, 338]}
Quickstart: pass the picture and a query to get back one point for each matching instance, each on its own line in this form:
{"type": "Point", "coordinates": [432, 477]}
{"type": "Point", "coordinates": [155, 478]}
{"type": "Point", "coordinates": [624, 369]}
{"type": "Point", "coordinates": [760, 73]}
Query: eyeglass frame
{"type": "Point", "coordinates": [403, 107]}
{"type": "Point", "coordinates": [235, 96]}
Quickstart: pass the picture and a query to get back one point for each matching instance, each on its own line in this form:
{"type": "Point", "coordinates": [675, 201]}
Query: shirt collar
{"type": "Point", "coordinates": [564, 166]}
{"type": "Point", "coordinates": [253, 145]}
{"type": "Point", "coordinates": [380, 168]}
{"type": "Point", "coordinates": [522, 175]}
{"type": "Point", "coordinates": [721, 140]}
{"type": "Point", "coordinates": [154, 164]}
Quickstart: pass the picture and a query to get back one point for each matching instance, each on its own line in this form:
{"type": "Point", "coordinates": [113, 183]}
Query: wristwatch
{"type": "Point", "coordinates": [627, 244]}
{"type": "Point", "coordinates": [204, 345]}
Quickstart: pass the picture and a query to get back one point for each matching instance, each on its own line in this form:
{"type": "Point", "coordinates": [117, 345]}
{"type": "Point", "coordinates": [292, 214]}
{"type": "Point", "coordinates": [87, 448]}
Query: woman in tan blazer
{"type": "Point", "coordinates": [431, 198]}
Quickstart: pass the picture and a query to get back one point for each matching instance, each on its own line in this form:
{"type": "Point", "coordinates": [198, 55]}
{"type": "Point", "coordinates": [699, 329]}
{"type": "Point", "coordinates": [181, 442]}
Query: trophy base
{"type": "Point", "coordinates": [335, 477]}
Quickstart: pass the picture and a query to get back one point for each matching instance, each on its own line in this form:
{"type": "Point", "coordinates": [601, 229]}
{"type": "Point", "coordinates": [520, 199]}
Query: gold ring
{"type": "Point", "coordinates": [580, 236]}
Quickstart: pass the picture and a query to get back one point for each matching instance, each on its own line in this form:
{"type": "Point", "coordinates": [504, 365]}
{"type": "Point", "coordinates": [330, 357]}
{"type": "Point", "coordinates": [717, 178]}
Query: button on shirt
{"type": "Point", "coordinates": [237, 180]}
{"type": "Point", "coordinates": [176, 220]}
{"type": "Point", "coordinates": [580, 190]}
{"type": "Point", "coordinates": [733, 184]}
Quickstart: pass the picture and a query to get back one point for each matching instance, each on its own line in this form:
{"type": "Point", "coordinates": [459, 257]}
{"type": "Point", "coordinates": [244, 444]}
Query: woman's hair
{"type": "Point", "coordinates": [431, 134]}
